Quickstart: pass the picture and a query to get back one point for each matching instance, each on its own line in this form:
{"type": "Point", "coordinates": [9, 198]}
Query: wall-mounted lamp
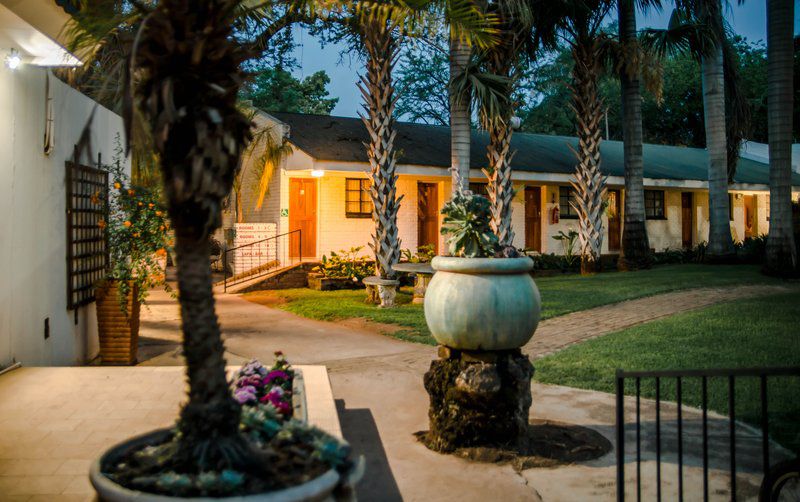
{"type": "Point", "coordinates": [317, 173]}
{"type": "Point", "coordinates": [13, 60]}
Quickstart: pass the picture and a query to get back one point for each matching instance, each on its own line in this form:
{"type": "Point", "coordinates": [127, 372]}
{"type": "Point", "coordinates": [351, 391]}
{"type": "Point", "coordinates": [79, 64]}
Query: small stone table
{"type": "Point", "coordinates": [423, 275]}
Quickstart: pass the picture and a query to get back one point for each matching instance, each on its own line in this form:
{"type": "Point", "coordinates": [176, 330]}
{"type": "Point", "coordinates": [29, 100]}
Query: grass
{"type": "Point", "coordinates": [560, 295]}
{"type": "Point", "coordinates": [759, 332]}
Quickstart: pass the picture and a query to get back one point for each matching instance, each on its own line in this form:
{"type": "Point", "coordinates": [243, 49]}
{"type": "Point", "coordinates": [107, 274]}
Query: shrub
{"type": "Point", "coordinates": [345, 265]}
{"type": "Point", "coordinates": [568, 246]}
{"type": "Point", "coordinates": [424, 254]}
{"type": "Point", "coordinates": [752, 250]}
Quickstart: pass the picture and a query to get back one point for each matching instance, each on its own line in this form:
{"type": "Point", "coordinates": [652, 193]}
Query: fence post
{"type": "Point", "coordinates": [620, 436]}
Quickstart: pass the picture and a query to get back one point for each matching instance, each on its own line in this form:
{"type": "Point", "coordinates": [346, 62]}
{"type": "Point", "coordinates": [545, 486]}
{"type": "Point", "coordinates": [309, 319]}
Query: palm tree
{"type": "Point", "coordinates": [460, 116]}
{"type": "Point", "coordinates": [781, 247]}
{"type": "Point", "coordinates": [696, 27]}
{"type": "Point", "coordinates": [377, 90]}
{"type": "Point", "coordinates": [580, 23]}
{"type": "Point", "coordinates": [501, 61]}
{"type": "Point", "coordinates": [635, 246]}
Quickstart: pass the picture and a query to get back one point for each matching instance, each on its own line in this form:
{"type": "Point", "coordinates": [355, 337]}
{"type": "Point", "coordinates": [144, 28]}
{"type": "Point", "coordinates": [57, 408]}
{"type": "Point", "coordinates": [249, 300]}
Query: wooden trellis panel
{"type": "Point", "coordinates": [87, 241]}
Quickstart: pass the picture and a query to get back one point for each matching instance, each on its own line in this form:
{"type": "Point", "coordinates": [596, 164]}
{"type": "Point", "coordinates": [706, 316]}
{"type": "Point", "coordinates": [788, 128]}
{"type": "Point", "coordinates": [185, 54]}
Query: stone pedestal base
{"type": "Point", "coordinates": [381, 292]}
{"type": "Point", "coordinates": [478, 398]}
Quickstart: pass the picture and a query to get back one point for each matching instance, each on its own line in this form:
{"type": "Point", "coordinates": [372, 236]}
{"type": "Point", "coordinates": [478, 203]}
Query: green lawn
{"type": "Point", "coordinates": [560, 295]}
{"type": "Point", "coordinates": [747, 333]}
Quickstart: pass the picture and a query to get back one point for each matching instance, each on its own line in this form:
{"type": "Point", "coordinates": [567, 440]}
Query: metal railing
{"type": "Point", "coordinates": [677, 381]}
{"type": "Point", "coordinates": [256, 259]}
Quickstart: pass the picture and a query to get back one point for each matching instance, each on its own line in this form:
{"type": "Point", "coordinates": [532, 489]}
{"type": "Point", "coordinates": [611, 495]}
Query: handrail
{"type": "Point", "coordinates": [269, 264]}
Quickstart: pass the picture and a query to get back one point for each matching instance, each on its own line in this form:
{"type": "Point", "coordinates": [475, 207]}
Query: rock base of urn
{"type": "Point", "coordinates": [478, 398]}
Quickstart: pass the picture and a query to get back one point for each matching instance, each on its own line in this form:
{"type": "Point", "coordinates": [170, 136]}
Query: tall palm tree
{"type": "Point", "coordinates": [377, 90]}
{"type": "Point", "coordinates": [697, 28]}
{"type": "Point", "coordinates": [460, 116]}
{"type": "Point", "coordinates": [781, 247]}
{"type": "Point", "coordinates": [635, 246]}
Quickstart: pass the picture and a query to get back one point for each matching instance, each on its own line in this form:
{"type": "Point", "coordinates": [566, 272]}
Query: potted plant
{"type": "Point", "coordinates": [482, 297]}
{"type": "Point", "coordinates": [137, 245]}
{"type": "Point", "coordinates": [182, 76]}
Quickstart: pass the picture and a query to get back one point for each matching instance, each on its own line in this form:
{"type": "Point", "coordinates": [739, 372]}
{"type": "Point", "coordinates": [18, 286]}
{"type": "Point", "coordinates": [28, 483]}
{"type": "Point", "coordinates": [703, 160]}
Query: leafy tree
{"type": "Point", "coordinates": [276, 90]}
{"type": "Point", "coordinates": [422, 85]}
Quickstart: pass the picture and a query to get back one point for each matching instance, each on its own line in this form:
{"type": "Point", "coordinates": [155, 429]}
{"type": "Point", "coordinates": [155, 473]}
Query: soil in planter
{"type": "Point", "coordinates": [291, 463]}
{"type": "Point", "coordinates": [545, 444]}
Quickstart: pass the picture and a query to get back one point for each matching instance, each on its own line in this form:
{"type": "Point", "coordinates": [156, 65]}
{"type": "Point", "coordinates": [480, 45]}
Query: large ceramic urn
{"type": "Point", "coordinates": [482, 303]}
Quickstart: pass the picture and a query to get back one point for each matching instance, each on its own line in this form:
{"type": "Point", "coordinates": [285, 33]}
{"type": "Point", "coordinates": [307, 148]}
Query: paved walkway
{"type": "Point", "coordinates": [377, 383]}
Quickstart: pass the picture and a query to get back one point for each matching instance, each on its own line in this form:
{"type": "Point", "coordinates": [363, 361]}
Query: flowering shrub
{"type": "Point", "coordinates": [345, 265]}
{"type": "Point", "coordinates": [254, 384]}
{"type": "Point", "coordinates": [137, 230]}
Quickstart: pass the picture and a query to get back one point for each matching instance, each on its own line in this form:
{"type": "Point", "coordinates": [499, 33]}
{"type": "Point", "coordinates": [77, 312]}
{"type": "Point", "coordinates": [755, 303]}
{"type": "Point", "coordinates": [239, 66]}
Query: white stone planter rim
{"type": "Point", "coordinates": [460, 265]}
{"type": "Point", "coordinates": [109, 491]}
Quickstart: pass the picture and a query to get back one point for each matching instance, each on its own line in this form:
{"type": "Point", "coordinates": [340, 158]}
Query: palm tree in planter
{"type": "Point", "coordinates": [696, 27]}
{"type": "Point", "coordinates": [781, 248]}
{"type": "Point", "coordinates": [184, 76]}
{"type": "Point", "coordinates": [377, 90]}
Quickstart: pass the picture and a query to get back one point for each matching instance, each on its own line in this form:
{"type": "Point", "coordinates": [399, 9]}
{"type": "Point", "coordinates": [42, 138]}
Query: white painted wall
{"type": "Point", "coordinates": [33, 269]}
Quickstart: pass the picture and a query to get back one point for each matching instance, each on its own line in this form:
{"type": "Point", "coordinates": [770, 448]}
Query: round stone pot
{"type": "Point", "coordinates": [482, 303]}
{"type": "Point", "coordinates": [318, 489]}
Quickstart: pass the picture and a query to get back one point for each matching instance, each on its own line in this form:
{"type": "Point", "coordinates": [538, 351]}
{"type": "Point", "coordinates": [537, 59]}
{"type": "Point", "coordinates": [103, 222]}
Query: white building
{"type": "Point", "coordinates": [41, 119]}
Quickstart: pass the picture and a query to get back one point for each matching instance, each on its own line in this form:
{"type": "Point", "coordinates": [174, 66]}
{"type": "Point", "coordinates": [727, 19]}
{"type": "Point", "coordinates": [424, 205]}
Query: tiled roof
{"type": "Point", "coordinates": [341, 139]}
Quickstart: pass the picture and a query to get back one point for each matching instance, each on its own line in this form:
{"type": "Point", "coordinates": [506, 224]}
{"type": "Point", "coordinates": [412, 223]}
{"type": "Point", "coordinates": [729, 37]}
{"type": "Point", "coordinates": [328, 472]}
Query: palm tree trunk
{"type": "Point", "coordinates": [781, 247]}
{"type": "Point", "coordinates": [720, 243]}
{"type": "Point", "coordinates": [460, 116]}
{"type": "Point", "coordinates": [378, 92]}
{"type": "Point", "coordinates": [635, 248]}
{"type": "Point", "coordinates": [211, 415]}
{"type": "Point", "coordinates": [589, 184]}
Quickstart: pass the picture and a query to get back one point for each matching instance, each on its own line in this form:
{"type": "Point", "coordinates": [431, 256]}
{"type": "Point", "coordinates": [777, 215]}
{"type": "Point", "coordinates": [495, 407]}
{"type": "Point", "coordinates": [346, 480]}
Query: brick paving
{"type": "Point", "coordinates": [557, 333]}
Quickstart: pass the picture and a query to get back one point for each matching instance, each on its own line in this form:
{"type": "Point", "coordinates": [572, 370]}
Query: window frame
{"type": "Point", "coordinates": [650, 206]}
{"type": "Point", "coordinates": [565, 209]}
{"type": "Point", "coordinates": [364, 199]}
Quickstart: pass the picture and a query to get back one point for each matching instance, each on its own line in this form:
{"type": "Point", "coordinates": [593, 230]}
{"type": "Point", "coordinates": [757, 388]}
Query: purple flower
{"type": "Point", "coordinates": [272, 375]}
{"type": "Point", "coordinates": [245, 395]}
{"type": "Point", "coordinates": [249, 381]}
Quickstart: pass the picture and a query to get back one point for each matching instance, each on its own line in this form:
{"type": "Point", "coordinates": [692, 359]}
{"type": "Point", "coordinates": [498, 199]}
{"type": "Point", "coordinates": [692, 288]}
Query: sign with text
{"type": "Point", "coordinates": [254, 246]}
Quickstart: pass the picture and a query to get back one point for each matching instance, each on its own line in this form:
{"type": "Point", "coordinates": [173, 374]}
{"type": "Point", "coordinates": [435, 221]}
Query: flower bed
{"type": "Point", "coordinates": [254, 383]}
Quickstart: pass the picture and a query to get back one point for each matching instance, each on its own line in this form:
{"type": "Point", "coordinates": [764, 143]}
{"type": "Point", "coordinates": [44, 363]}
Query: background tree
{"type": "Point", "coordinates": [277, 90]}
{"type": "Point", "coordinates": [422, 82]}
{"type": "Point", "coordinates": [781, 248]}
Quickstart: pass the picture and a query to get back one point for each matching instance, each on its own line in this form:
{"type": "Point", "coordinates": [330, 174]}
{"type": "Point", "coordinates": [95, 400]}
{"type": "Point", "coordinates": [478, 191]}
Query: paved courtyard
{"type": "Point", "coordinates": [54, 421]}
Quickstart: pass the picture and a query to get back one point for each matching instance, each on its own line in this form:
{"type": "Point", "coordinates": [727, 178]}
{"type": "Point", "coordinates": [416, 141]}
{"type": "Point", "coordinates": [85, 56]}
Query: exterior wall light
{"type": "Point", "coordinates": [317, 173]}
{"type": "Point", "coordinates": [13, 60]}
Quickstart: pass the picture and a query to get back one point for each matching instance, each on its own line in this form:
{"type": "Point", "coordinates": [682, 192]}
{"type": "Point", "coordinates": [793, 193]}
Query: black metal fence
{"type": "Point", "coordinates": [724, 380]}
{"type": "Point", "coordinates": [257, 259]}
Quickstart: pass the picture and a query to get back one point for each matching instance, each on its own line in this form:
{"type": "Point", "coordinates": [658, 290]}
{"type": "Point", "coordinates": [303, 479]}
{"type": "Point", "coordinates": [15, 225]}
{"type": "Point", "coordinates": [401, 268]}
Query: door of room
{"type": "Point", "coordinates": [303, 217]}
{"type": "Point", "coordinates": [687, 220]}
{"type": "Point", "coordinates": [750, 221]}
{"type": "Point", "coordinates": [614, 220]}
{"type": "Point", "coordinates": [533, 218]}
{"type": "Point", "coordinates": [428, 215]}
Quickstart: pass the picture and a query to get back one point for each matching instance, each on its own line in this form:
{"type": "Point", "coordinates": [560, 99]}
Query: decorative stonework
{"type": "Point", "coordinates": [381, 292]}
{"type": "Point", "coordinates": [478, 398]}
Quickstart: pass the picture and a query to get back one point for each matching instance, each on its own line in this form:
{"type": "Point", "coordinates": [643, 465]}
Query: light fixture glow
{"type": "Point", "coordinates": [317, 173]}
{"type": "Point", "coordinates": [13, 60]}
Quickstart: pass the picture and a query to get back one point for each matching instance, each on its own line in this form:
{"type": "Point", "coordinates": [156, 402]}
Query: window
{"type": "Point", "coordinates": [358, 203]}
{"type": "Point", "coordinates": [479, 189]}
{"type": "Point", "coordinates": [565, 196]}
{"type": "Point", "coordinates": [654, 205]}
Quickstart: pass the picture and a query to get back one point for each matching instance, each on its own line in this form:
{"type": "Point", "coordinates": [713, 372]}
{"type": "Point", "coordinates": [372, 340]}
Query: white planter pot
{"type": "Point", "coordinates": [482, 303]}
{"type": "Point", "coordinates": [318, 489]}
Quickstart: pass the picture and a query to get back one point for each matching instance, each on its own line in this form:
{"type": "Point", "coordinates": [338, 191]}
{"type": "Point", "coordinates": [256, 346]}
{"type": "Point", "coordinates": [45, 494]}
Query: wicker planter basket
{"type": "Point", "coordinates": [118, 332]}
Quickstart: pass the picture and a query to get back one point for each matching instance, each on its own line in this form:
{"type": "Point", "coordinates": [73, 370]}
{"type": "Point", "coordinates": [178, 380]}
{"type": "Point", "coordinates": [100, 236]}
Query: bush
{"type": "Point", "coordinates": [752, 250]}
{"type": "Point", "coordinates": [424, 254]}
{"type": "Point", "coordinates": [345, 265]}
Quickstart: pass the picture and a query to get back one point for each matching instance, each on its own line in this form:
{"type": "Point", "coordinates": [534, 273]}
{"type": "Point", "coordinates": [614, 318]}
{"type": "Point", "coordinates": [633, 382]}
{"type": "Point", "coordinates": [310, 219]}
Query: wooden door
{"type": "Point", "coordinates": [428, 215]}
{"type": "Point", "coordinates": [614, 220]}
{"type": "Point", "coordinates": [750, 221]}
{"type": "Point", "coordinates": [303, 217]}
{"type": "Point", "coordinates": [533, 218]}
{"type": "Point", "coordinates": [687, 220]}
